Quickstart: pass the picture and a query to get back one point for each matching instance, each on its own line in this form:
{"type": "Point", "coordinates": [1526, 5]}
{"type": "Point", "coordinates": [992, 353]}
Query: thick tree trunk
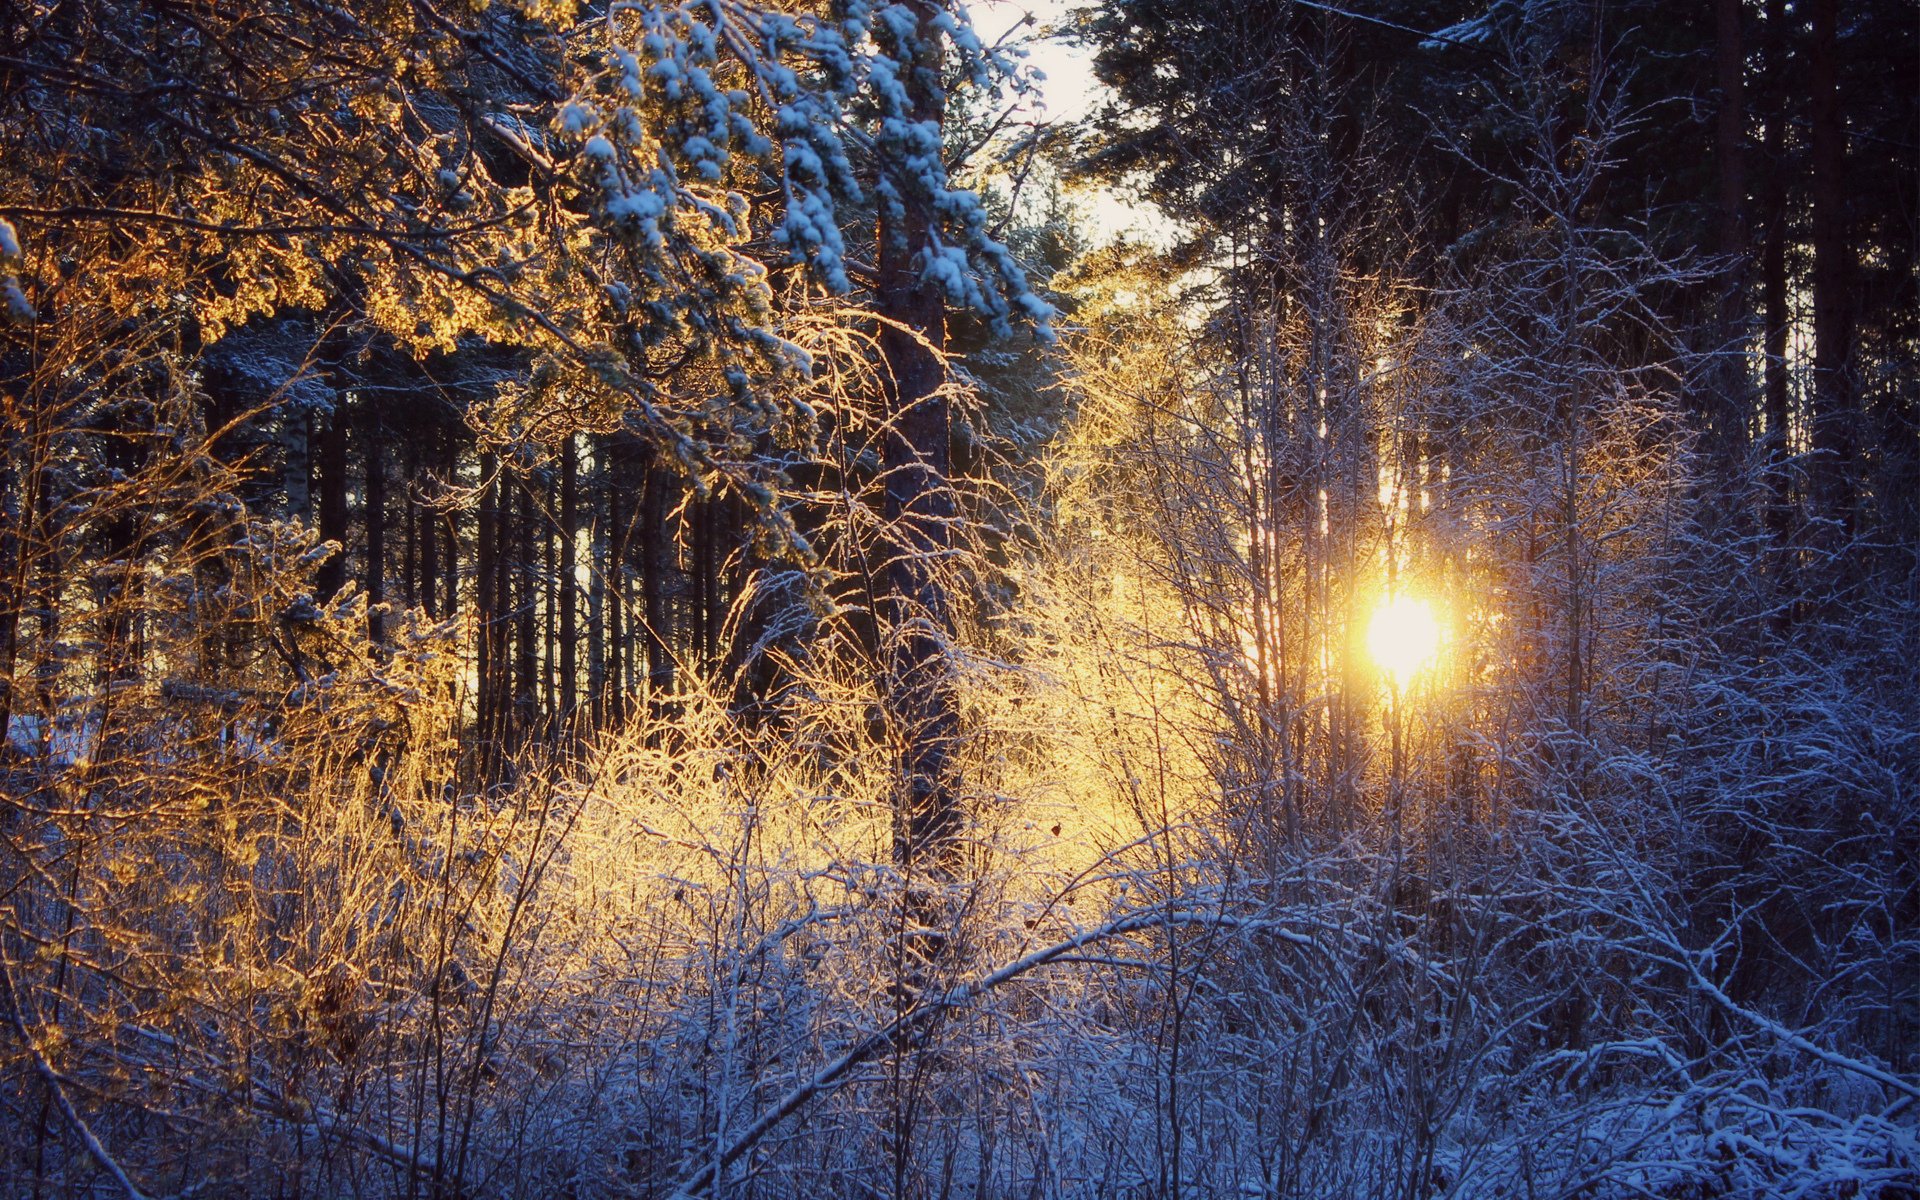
{"type": "Point", "coordinates": [916, 622]}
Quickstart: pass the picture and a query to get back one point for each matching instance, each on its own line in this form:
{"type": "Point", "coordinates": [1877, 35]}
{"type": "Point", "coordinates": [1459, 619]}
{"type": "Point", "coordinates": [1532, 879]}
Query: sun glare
{"type": "Point", "coordinates": [1403, 637]}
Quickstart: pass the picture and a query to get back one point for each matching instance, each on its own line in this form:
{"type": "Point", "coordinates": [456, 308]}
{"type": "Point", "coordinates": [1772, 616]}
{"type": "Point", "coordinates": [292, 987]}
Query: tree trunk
{"type": "Point", "coordinates": [655, 555]}
{"type": "Point", "coordinates": [569, 534]}
{"type": "Point", "coordinates": [410, 526]}
{"type": "Point", "coordinates": [16, 554]}
{"type": "Point", "coordinates": [296, 468]}
{"type": "Point", "coordinates": [916, 622]}
{"type": "Point", "coordinates": [597, 605]}
{"type": "Point", "coordinates": [550, 629]}
{"type": "Point", "coordinates": [614, 581]}
{"type": "Point", "coordinates": [486, 615]}
{"type": "Point", "coordinates": [332, 575]}
{"type": "Point", "coordinates": [526, 594]}
{"type": "Point", "coordinates": [376, 523]}
{"type": "Point", "coordinates": [429, 556]}
{"type": "Point", "coordinates": [450, 569]}
{"type": "Point", "coordinates": [1731, 403]}
{"type": "Point", "coordinates": [1833, 416]}
{"type": "Point", "coordinates": [1773, 273]}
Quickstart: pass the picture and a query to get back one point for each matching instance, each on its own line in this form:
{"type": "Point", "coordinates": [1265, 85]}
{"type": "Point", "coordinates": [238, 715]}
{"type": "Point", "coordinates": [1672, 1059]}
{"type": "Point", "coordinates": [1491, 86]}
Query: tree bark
{"type": "Point", "coordinates": [1833, 416]}
{"type": "Point", "coordinates": [486, 614]}
{"type": "Point", "coordinates": [450, 569]}
{"type": "Point", "coordinates": [655, 550]}
{"type": "Point", "coordinates": [599, 556]}
{"type": "Point", "coordinates": [1732, 403]}
{"type": "Point", "coordinates": [569, 565]}
{"type": "Point", "coordinates": [1773, 273]}
{"type": "Point", "coordinates": [376, 523]}
{"type": "Point", "coordinates": [332, 575]}
{"type": "Point", "coordinates": [613, 583]}
{"type": "Point", "coordinates": [526, 597]}
{"type": "Point", "coordinates": [429, 557]}
{"type": "Point", "coordinates": [916, 620]}
{"type": "Point", "coordinates": [410, 525]}
{"type": "Point", "coordinates": [550, 596]}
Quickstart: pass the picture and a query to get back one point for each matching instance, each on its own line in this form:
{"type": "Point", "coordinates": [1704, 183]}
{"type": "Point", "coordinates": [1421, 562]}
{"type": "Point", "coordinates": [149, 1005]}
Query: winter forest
{"type": "Point", "coordinates": [1008, 600]}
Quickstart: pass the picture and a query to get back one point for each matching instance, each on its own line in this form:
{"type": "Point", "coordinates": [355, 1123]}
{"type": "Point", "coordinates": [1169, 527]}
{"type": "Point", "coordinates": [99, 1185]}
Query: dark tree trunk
{"type": "Point", "coordinates": [614, 581]}
{"type": "Point", "coordinates": [1730, 125]}
{"type": "Point", "coordinates": [569, 564]}
{"type": "Point", "coordinates": [502, 623]}
{"type": "Point", "coordinates": [550, 602]}
{"type": "Point", "coordinates": [486, 614]}
{"type": "Point", "coordinates": [450, 569]}
{"type": "Point", "coordinates": [527, 598]}
{"type": "Point", "coordinates": [1731, 401]}
{"type": "Point", "coordinates": [16, 555]}
{"type": "Point", "coordinates": [376, 523]}
{"type": "Point", "coordinates": [429, 521]}
{"type": "Point", "coordinates": [1773, 272]}
{"type": "Point", "coordinates": [332, 575]}
{"type": "Point", "coordinates": [655, 551]}
{"type": "Point", "coordinates": [1833, 416]}
{"type": "Point", "coordinates": [916, 622]}
{"type": "Point", "coordinates": [597, 599]}
{"type": "Point", "coordinates": [704, 570]}
{"type": "Point", "coordinates": [410, 525]}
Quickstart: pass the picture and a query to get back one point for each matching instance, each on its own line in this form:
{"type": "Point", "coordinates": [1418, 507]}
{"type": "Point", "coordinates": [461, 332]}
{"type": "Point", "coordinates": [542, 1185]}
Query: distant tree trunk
{"type": "Point", "coordinates": [655, 550]}
{"type": "Point", "coordinates": [614, 582]}
{"type": "Point", "coordinates": [1833, 417]}
{"type": "Point", "coordinates": [450, 570]}
{"type": "Point", "coordinates": [376, 522]}
{"type": "Point", "coordinates": [15, 556]}
{"type": "Point", "coordinates": [916, 622]}
{"type": "Point", "coordinates": [527, 598]}
{"type": "Point", "coordinates": [1730, 123]}
{"type": "Point", "coordinates": [410, 525]}
{"type": "Point", "coordinates": [332, 575]}
{"type": "Point", "coordinates": [550, 628]}
{"type": "Point", "coordinates": [705, 582]}
{"type": "Point", "coordinates": [427, 519]}
{"type": "Point", "coordinates": [1731, 407]}
{"type": "Point", "coordinates": [486, 614]}
{"type": "Point", "coordinates": [1773, 272]}
{"type": "Point", "coordinates": [296, 472]}
{"type": "Point", "coordinates": [569, 564]}
{"type": "Point", "coordinates": [597, 601]}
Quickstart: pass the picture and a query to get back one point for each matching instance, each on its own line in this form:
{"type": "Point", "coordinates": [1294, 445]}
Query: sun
{"type": "Point", "coordinates": [1403, 638]}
